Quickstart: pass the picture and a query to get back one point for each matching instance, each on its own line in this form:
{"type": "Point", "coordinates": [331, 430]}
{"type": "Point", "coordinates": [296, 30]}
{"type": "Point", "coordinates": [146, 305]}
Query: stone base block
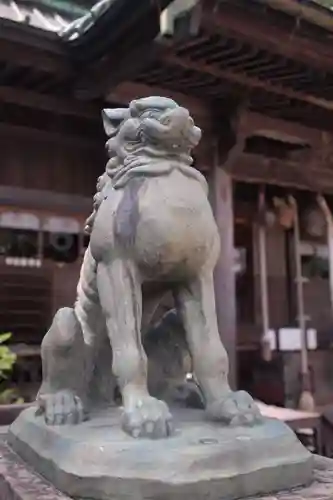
{"type": "Point", "coordinates": [96, 460]}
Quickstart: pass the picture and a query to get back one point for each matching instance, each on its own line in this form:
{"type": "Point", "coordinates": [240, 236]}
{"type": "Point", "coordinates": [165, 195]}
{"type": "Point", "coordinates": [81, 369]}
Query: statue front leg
{"type": "Point", "coordinates": [196, 303]}
{"type": "Point", "coordinates": [121, 298]}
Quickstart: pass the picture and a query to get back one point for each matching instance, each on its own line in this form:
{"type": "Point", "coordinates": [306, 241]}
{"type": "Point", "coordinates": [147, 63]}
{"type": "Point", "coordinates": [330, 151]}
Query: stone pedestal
{"type": "Point", "coordinates": [19, 482]}
{"type": "Point", "coordinates": [96, 460]}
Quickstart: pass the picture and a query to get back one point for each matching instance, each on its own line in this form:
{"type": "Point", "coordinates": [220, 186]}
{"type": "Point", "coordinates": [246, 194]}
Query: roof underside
{"type": "Point", "coordinates": [240, 50]}
{"type": "Point", "coordinates": [281, 68]}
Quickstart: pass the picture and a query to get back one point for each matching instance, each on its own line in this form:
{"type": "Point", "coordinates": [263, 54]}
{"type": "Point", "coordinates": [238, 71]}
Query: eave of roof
{"type": "Point", "coordinates": [110, 22]}
{"type": "Point", "coordinates": [45, 15]}
{"type": "Point", "coordinates": [69, 8]}
{"type": "Point", "coordinates": [91, 33]}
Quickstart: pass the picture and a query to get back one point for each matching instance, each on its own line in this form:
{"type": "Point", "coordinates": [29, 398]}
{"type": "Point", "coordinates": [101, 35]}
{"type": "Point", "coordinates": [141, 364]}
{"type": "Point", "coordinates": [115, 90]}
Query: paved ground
{"type": "Point", "coordinates": [18, 482]}
{"type": "Point", "coordinates": [320, 489]}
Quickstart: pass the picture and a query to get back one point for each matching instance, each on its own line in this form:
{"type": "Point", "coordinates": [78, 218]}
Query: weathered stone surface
{"type": "Point", "coordinates": [97, 460]}
{"type": "Point", "coordinates": [152, 231]}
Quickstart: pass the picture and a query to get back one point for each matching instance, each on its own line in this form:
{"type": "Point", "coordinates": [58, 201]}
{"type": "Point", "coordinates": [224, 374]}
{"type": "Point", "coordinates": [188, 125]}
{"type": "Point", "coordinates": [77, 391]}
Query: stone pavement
{"type": "Point", "coordinates": [320, 489]}
{"type": "Point", "coordinates": [19, 482]}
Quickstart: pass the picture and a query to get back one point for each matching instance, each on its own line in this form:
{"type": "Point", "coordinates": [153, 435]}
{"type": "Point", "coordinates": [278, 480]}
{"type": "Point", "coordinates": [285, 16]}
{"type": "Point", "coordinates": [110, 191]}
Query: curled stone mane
{"type": "Point", "coordinates": [151, 137]}
{"type": "Point", "coordinates": [157, 137]}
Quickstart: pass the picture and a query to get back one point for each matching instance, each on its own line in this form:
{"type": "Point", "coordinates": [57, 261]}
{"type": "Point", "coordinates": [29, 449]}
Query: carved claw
{"type": "Point", "coordinates": [236, 409]}
{"type": "Point", "coordinates": [148, 418]}
{"type": "Point", "coordinates": [61, 408]}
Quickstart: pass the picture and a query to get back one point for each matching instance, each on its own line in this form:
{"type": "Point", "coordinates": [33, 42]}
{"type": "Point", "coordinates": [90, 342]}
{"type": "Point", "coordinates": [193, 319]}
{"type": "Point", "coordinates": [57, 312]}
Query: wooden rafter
{"type": "Point", "coordinates": [246, 81]}
{"type": "Point", "coordinates": [263, 33]}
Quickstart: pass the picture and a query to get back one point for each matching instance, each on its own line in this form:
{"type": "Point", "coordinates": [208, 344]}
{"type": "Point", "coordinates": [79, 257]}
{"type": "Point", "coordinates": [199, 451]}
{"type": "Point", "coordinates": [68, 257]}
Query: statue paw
{"type": "Point", "coordinates": [148, 418]}
{"type": "Point", "coordinates": [236, 409]}
{"type": "Point", "coordinates": [61, 408]}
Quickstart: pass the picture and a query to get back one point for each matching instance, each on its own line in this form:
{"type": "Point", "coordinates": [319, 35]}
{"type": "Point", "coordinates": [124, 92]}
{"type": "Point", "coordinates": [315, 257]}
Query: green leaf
{"type": "Point", "coordinates": [4, 337]}
{"type": "Point", "coordinates": [7, 361]}
{"type": "Point", "coordinates": [7, 357]}
{"type": "Point", "coordinates": [10, 396]}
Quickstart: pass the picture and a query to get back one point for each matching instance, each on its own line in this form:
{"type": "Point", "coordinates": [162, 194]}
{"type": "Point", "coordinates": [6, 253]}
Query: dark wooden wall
{"type": "Point", "coordinates": [33, 163]}
{"type": "Point", "coordinates": [48, 162]}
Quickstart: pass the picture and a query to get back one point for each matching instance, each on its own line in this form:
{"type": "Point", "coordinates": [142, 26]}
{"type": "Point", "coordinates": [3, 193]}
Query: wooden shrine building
{"type": "Point", "coordinates": [258, 78]}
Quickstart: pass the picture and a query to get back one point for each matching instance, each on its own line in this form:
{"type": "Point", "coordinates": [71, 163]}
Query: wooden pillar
{"type": "Point", "coordinates": [221, 191]}
{"type": "Point", "coordinates": [262, 254]}
{"type": "Point", "coordinates": [329, 228]}
{"type": "Point", "coordinates": [306, 401]}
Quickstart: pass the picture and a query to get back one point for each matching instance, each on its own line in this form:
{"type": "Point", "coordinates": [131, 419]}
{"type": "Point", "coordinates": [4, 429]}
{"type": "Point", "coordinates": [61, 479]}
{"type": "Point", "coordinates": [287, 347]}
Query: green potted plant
{"type": "Point", "coordinates": [11, 404]}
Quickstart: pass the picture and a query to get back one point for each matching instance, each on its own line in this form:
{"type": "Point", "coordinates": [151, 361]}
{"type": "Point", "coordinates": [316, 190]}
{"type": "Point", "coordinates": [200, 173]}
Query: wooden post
{"type": "Point", "coordinates": [263, 274]}
{"type": "Point", "coordinates": [225, 290]}
{"type": "Point", "coordinates": [306, 401]}
{"type": "Point", "coordinates": [329, 224]}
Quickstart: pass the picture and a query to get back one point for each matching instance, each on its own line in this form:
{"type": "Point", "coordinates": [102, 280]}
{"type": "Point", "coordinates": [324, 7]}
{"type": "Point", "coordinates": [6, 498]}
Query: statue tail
{"type": "Point", "coordinates": [87, 307]}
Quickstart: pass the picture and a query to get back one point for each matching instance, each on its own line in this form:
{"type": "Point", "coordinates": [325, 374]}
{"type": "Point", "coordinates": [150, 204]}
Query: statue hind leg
{"type": "Point", "coordinates": [120, 293]}
{"type": "Point", "coordinates": [72, 375]}
{"type": "Point", "coordinates": [196, 304]}
{"type": "Point", "coordinates": [60, 396]}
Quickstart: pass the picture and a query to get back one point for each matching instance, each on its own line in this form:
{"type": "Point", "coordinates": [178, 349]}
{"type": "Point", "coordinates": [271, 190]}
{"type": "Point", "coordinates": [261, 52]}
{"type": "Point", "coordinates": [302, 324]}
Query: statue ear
{"type": "Point", "coordinates": [112, 119]}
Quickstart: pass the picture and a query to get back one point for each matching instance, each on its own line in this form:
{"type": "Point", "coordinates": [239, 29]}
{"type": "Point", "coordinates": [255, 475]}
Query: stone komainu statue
{"type": "Point", "coordinates": [152, 232]}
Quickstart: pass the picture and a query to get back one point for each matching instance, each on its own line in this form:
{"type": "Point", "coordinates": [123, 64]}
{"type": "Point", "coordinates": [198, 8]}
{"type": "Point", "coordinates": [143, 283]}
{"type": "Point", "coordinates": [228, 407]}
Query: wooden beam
{"type": "Point", "coordinates": [44, 200]}
{"type": "Point", "coordinates": [56, 105]}
{"type": "Point", "coordinates": [246, 81]}
{"type": "Point", "coordinates": [255, 123]}
{"type": "Point", "coordinates": [251, 123]}
{"type": "Point", "coordinates": [261, 31]}
{"type": "Point", "coordinates": [260, 169]}
{"type": "Point", "coordinates": [22, 55]}
{"type": "Point", "coordinates": [46, 136]}
{"type": "Point", "coordinates": [30, 36]}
